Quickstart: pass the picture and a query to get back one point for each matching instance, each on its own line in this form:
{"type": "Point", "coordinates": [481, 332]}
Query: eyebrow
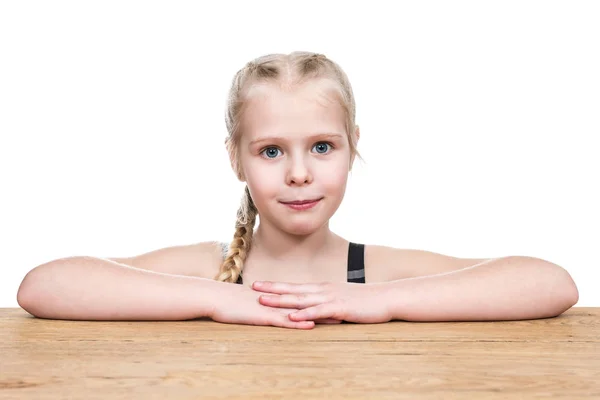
{"type": "Point", "coordinates": [275, 138]}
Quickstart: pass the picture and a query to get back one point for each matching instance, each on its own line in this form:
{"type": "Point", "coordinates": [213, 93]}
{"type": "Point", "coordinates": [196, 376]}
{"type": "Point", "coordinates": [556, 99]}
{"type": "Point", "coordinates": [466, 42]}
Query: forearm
{"type": "Point", "coordinates": [88, 288]}
{"type": "Point", "coordinates": [509, 288]}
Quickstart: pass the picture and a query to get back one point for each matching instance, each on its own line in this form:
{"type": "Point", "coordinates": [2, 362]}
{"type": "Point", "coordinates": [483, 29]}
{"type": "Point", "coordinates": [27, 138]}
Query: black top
{"type": "Point", "coordinates": [356, 263]}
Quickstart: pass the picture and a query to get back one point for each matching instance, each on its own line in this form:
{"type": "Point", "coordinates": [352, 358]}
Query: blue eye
{"type": "Point", "coordinates": [272, 150]}
{"type": "Point", "coordinates": [324, 146]}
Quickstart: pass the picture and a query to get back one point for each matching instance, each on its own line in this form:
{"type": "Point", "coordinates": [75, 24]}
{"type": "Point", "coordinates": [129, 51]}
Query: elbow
{"type": "Point", "coordinates": [561, 287]}
{"type": "Point", "coordinates": [571, 290]}
{"type": "Point", "coordinates": [568, 289]}
{"type": "Point", "coordinates": [32, 293]}
{"type": "Point", "coordinates": [572, 297]}
{"type": "Point", "coordinates": [563, 281]}
{"type": "Point", "coordinates": [26, 297]}
{"type": "Point", "coordinates": [567, 286]}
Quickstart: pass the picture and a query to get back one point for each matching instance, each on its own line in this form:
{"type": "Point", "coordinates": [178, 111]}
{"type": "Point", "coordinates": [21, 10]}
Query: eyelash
{"type": "Point", "coordinates": [275, 147]}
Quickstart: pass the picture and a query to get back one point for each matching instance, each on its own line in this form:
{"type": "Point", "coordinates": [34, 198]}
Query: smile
{"type": "Point", "coordinates": [302, 205]}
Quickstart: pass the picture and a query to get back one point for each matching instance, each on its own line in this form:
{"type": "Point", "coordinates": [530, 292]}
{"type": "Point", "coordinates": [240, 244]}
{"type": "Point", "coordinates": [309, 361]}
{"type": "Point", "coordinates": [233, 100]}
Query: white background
{"type": "Point", "coordinates": [479, 125]}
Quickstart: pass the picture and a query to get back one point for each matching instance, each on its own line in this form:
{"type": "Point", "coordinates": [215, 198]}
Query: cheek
{"type": "Point", "coordinates": [335, 180]}
{"type": "Point", "coordinates": [262, 180]}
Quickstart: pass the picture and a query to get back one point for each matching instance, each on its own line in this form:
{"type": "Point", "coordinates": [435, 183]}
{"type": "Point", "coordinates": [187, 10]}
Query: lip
{"type": "Point", "coordinates": [300, 202]}
{"type": "Point", "coordinates": [302, 205]}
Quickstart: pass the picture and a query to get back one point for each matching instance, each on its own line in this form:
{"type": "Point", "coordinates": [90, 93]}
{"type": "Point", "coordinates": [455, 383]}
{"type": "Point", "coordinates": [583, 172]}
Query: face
{"type": "Point", "coordinates": [307, 157]}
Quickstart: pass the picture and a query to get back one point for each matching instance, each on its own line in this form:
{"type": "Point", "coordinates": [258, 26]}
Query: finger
{"type": "Point", "coordinates": [297, 301]}
{"type": "Point", "coordinates": [328, 321]}
{"type": "Point", "coordinates": [285, 287]}
{"type": "Point", "coordinates": [286, 323]}
{"type": "Point", "coordinates": [321, 311]}
{"type": "Point", "coordinates": [279, 317]}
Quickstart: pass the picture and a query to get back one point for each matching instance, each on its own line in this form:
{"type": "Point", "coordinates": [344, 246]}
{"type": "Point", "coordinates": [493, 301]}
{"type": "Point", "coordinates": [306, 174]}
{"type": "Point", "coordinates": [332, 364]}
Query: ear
{"type": "Point", "coordinates": [232, 162]}
{"type": "Point", "coordinates": [357, 134]}
{"type": "Point", "coordinates": [240, 176]}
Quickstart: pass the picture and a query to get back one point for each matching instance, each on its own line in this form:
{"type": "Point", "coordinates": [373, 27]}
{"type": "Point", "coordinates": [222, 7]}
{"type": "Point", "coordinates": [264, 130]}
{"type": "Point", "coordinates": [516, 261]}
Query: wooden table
{"type": "Point", "coordinates": [51, 359]}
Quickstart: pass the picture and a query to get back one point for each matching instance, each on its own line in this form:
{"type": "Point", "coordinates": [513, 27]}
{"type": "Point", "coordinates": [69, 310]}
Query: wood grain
{"type": "Point", "coordinates": [55, 359]}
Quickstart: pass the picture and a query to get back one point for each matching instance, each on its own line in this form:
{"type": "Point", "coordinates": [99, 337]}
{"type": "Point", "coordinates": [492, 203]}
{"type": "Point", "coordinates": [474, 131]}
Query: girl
{"type": "Point", "coordinates": [292, 138]}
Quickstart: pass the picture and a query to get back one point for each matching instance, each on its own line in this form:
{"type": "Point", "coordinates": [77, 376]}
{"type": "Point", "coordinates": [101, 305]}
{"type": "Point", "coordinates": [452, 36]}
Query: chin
{"type": "Point", "coordinates": [301, 231]}
{"type": "Point", "coordinates": [304, 227]}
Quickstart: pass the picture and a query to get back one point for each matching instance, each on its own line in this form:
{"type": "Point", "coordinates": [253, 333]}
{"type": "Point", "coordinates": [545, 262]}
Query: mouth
{"type": "Point", "coordinates": [300, 202]}
{"type": "Point", "coordinates": [301, 205]}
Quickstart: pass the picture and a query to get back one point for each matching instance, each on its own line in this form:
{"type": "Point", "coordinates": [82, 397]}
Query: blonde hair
{"type": "Point", "coordinates": [287, 71]}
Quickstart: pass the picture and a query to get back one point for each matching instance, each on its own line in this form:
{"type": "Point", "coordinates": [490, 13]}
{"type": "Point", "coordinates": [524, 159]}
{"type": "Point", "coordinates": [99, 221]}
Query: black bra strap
{"type": "Point", "coordinates": [356, 262]}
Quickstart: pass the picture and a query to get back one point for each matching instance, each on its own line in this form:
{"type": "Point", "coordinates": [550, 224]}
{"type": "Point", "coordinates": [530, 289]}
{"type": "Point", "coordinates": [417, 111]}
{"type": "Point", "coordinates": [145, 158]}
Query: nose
{"type": "Point", "coordinates": [299, 171]}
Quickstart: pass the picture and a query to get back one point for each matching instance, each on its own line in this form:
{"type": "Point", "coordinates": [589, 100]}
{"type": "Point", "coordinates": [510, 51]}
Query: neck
{"type": "Point", "coordinates": [276, 244]}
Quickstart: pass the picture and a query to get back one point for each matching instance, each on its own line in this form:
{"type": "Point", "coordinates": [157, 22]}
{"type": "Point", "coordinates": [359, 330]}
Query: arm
{"type": "Point", "coordinates": [89, 288]}
{"type": "Point", "coordinates": [507, 288]}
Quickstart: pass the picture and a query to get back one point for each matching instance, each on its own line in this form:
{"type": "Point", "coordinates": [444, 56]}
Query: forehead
{"type": "Point", "coordinates": [303, 111]}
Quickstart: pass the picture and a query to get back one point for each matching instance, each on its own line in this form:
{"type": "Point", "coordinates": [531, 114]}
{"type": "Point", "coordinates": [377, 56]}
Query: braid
{"type": "Point", "coordinates": [232, 266]}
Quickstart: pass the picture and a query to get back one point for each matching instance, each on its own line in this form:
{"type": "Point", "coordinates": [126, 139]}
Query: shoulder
{"type": "Point", "coordinates": [385, 263]}
{"type": "Point", "coordinates": [212, 253]}
{"type": "Point", "coordinates": [197, 259]}
{"type": "Point", "coordinates": [378, 262]}
{"type": "Point", "coordinates": [208, 256]}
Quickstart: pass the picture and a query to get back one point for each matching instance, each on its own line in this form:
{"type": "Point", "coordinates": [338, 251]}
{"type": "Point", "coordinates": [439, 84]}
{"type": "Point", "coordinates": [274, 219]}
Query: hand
{"type": "Point", "coordinates": [238, 304]}
{"type": "Point", "coordinates": [352, 302]}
